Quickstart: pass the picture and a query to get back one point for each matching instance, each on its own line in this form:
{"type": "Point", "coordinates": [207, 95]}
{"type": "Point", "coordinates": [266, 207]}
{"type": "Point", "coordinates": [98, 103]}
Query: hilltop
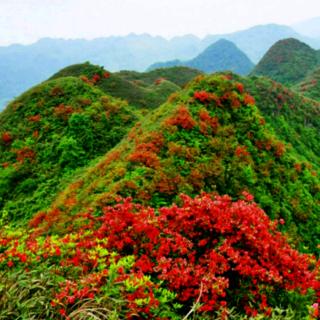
{"type": "Point", "coordinates": [288, 61]}
{"type": "Point", "coordinates": [220, 56]}
{"type": "Point", "coordinates": [49, 133]}
{"type": "Point", "coordinates": [141, 89]}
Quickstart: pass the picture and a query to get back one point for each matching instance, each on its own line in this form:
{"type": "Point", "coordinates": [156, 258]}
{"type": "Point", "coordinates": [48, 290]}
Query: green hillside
{"type": "Point", "coordinates": [211, 138]}
{"type": "Point", "coordinates": [47, 134]}
{"type": "Point", "coordinates": [178, 75]}
{"type": "Point", "coordinates": [310, 85]}
{"type": "Point", "coordinates": [144, 90]}
{"type": "Point", "coordinates": [109, 215]}
{"type": "Point", "coordinates": [287, 61]}
{"type": "Point", "coordinates": [294, 118]}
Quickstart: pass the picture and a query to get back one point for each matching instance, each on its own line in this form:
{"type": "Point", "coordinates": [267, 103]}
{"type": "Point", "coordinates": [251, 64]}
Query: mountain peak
{"type": "Point", "coordinates": [287, 61]}
{"type": "Point", "coordinates": [222, 55]}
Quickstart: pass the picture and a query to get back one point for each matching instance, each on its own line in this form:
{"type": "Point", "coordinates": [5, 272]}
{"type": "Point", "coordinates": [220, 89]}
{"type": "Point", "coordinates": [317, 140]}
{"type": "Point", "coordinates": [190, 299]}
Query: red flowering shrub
{"type": "Point", "coordinates": [146, 150]}
{"type": "Point", "coordinates": [207, 121]}
{"type": "Point", "coordinates": [6, 137]}
{"type": "Point", "coordinates": [241, 151]}
{"type": "Point", "coordinates": [35, 118]}
{"type": "Point", "coordinates": [25, 153]}
{"type": "Point", "coordinates": [228, 253]}
{"type": "Point", "coordinates": [106, 75]}
{"type": "Point", "coordinates": [240, 87]}
{"type": "Point", "coordinates": [248, 99]}
{"type": "Point", "coordinates": [182, 118]}
{"type": "Point", "coordinates": [63, 111]}
{"type": "Point", "coordinates": [95, 78]}
{"type": "Point", "coordinates": [206, 97]}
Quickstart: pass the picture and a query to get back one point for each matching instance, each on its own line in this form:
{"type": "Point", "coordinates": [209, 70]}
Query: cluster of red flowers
{"type": "Point", "coordinates": [95, 78]}
{"type": "Point", "coordinates": [146, 151]}
{"type": "Point", "coordinates": [206, 97]}
{"type": "Point", "coordinates": [248, 100]}
{"type": "Point", "coordinates": [25, 153]}
{"type": "Point", "coordinates": [182, 118]}
{"type": "Point", "coordinates": [6, 137]}
{"type": "Point", "coordinates": [63, 111]}
{"type": "Point", "coordinates": [241, 152]}
{"type": "Point", "coordinates": [206, 121]}
{"type": "Point", "coordinates": [197, 249]}
{"type": "Point", "coordinates": [35, 118]}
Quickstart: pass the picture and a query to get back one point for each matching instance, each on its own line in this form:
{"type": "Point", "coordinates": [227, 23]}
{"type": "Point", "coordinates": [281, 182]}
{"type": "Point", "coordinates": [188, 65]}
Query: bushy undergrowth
{"type": "Point", "coordinates": [210, 137]}
{"type": "Point", "coordinates": [50, 132]}
{"type": "Point", "coordinates": [146, 90]}
{"type": "Point", "coordinates": [208, 256]}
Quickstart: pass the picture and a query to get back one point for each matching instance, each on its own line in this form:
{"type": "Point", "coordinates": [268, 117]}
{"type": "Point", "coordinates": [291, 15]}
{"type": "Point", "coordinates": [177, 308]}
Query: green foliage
{"type": "Point", "coordinates": [310, 85]}
{"type": "Point", "coordinates": [27, 295]}
{"type": "Point", "coordinates": [51, 131]}
{"type": "Point", "coordinates": [287, 61]}
{"type": "Point", "coordinates": [220, 145]}
{"type": "Point", "coordinates": [146, 90]}
{"type": "Point", "coordinates": [294, 118]}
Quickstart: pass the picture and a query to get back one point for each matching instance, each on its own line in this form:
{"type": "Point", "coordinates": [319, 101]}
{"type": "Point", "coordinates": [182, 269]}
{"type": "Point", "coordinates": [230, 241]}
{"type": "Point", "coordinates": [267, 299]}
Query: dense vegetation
{"type": "Point", "coordinates": [144, 90]}
{"type": "Point", "coordinates": [310, 86]}
{"type": "Point", "coordinates": [50, 132]}
{"type": "Point", "coordinates": [219, 56]}
{"type": "Point", "coordinates": [210, 137]}
{"type": "Point", "coordinates": [294, 118]}
{"type": "Point", "coordinates": [288, 61]}
{"type": "Point", "coordinates": [206, 207]}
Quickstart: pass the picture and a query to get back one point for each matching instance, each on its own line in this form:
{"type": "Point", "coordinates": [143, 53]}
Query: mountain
{"type": "Point", "coordinates": [211, 137]}
{"type": "Point", "coordinates": [220, 56]}
{"type": "Point", "coordinates": [22, 66]}
{"type": "Point", "coordinates": [131, 224]}
{"type": "Point", "coordinates": [293, 117]}
{"type": "Point", "coordinates": [255, 41]}
{"type": "Point", "coordinates": [309, 28]}
{"type": "Point", "coordinates": [287, 61]}
{"type": "Point", "coordinates": [146, 90]}
{"type": "Point", "coordinates": [49, 133]}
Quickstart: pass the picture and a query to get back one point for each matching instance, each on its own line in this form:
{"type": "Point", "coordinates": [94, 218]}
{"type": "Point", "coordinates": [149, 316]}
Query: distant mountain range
{"type": "Point", "coordinates": [219, 56]}
{"type": "Point", "coordinates": [22, 66]}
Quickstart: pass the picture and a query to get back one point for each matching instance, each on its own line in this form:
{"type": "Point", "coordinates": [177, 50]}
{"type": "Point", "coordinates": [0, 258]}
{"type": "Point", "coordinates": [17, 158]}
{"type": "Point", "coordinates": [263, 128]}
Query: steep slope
{"type": "Point", "coordinates": [50, 132]}
{"type": "Point", "coordinates": [210, 137]}
{"type": "Point", "coordinates": [84, 258]}
{"type": "Point", "coordinates": [288, 61]}
{"type": "Point", "coordinates": [142, 90]}
{"type": "Point", "coordinates": [310, 85]}
{"type": "Point", "coordinates": [293, 117]}
{"type": "Point", "coordinates": [220, 56]}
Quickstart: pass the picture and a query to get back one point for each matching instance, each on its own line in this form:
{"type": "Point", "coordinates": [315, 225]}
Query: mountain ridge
{"type": "Point", "coordinates": [45, 57]}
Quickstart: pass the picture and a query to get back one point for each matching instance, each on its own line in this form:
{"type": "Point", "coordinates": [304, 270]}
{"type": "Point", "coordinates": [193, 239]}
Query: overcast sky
{"type": "Point", "coordinates": [25, 21]}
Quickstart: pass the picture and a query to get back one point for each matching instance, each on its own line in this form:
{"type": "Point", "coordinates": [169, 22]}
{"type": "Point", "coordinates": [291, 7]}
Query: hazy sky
{"type": "Point", "coordinates": [28, 20]}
